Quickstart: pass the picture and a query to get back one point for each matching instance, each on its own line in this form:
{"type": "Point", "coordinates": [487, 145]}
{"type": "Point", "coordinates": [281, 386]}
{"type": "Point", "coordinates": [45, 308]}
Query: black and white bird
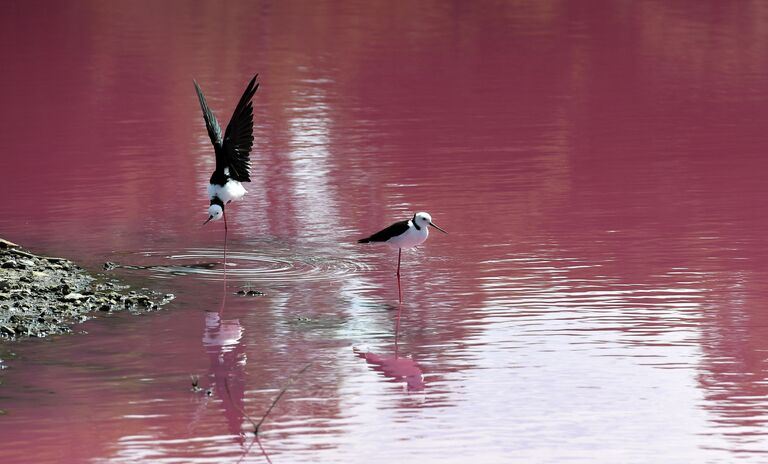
{"type": "Point", "coordinates": [233, 160]}
{"type": "Point", "coordinates": [405, 234]}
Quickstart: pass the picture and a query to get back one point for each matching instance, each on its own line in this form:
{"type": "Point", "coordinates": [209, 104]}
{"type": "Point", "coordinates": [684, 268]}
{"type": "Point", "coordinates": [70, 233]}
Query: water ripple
{"type": "Point", "coordinates": [282, 267]}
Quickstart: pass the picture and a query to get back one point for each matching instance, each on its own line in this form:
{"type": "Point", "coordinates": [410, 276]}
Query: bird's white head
{"type": "Point", "coordinates": [215, 212]}
{"type": "Point", "coordinates": [424, 219]}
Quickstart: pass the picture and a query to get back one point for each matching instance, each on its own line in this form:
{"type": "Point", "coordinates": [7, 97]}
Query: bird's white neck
{"type": "Point", "coordinates": [421, 230]}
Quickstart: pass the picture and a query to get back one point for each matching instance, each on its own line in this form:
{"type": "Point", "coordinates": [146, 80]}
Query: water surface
{"type": "Point", "coordinates": [599, 167]}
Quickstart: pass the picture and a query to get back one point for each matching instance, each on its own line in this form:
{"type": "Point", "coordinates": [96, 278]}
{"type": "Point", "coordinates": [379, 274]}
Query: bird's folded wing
{"type": "Point", "coordinates": [383, 235]}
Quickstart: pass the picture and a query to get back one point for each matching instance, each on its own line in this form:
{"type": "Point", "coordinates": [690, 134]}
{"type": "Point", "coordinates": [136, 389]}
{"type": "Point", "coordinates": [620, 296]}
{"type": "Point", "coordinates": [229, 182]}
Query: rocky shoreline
{"type": "Point", "coordinates": [41, 295]}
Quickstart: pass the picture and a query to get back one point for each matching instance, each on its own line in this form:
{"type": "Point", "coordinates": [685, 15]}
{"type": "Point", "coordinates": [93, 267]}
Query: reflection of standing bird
{"type": "Point", "coordinates": [404, 234]}
{"type": "Point", "coordinates": [233, 162]}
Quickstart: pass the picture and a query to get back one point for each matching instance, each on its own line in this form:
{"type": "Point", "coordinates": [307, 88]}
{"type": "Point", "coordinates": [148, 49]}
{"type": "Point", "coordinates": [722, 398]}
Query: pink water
{"type": "Point", "coordinates": [601, 296]}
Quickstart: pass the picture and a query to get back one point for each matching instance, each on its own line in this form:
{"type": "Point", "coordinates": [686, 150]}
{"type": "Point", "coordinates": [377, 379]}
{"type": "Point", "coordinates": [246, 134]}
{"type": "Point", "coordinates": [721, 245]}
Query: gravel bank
{"type": "Point", "coordinates": [41, 295]}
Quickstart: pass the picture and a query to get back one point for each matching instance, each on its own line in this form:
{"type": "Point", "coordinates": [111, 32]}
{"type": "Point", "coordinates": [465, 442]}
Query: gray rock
{"type": "Point", "coordinates": [25, 263]}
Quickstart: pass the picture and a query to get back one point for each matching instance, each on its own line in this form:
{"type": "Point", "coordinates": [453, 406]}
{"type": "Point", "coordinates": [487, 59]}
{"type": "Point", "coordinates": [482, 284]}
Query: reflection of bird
{"type": "Point", "coordinates": [396, 368]}
{"type": "Point", "coordinates": [222, 340]}
{"type": "Point", "coordinates": [404, 234]}
{"type": "Point", "coordinates": [233, 162]}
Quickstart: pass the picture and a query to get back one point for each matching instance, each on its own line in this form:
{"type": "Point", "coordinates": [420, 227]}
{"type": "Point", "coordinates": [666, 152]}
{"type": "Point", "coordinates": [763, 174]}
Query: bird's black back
{"type": "Point", "coordinates": [383, 235]}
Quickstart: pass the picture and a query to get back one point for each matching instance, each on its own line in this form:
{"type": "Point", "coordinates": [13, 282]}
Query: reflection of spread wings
{"type": "Point", "coordinates": [233, 150]}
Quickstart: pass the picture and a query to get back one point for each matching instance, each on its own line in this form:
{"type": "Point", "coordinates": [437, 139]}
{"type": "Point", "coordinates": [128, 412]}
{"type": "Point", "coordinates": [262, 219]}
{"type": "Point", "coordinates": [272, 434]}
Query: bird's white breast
{"type": "Point", "coordinates": [231, 191]}
{"type": "Point", "coordinates": [410, 238]}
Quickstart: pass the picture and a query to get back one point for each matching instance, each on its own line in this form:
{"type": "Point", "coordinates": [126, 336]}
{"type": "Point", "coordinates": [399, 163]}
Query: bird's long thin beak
{"type": "Point", "coordinates": [435, 226]}
{"type": "Point", "coordinates": [208, 220]}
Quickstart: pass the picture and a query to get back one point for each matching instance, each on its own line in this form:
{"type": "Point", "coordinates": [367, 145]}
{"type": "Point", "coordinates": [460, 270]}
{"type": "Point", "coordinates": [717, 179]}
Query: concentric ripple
{"type": "Point", "coordinates": [281, 267]}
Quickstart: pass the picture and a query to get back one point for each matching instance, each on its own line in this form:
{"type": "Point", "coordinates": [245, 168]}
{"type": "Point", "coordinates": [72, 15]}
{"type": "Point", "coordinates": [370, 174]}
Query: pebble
{"type": "Point", "coordinates": [108, 266]}
{"type": "Point", "coordinates": [250, 292]}
{"type": "Point", "coordinates": [73, 297]}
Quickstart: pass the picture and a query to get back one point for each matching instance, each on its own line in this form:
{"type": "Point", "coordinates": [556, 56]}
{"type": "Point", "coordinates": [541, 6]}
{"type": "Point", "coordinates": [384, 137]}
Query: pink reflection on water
{"type": "Point", "coordinates": [222, 341]}
{"type": "Point", "coordinates": [228, 359]}
{"type": "Point", "coordinates": [395, 366]}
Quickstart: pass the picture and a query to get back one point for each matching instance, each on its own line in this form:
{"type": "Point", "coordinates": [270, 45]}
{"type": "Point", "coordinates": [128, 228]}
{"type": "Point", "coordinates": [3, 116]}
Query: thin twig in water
{"type": "Point", "coordinates": [245, 414]}
{"type": "Point", "coordinates": [263, 451]}
{"type": "Point", "coordinates": [271, 406]}
{"type": "Point", "coordinates": [277, 398]}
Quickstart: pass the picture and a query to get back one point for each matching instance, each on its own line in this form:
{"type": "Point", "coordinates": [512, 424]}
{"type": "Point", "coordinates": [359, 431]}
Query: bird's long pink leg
{"type": "Point", "coordinates": [224, 295]}
{"type": "Point", "coordinates": [399, 289]}
{"type": "Point", "coordinates": [399, 254]}
{"type": "Point", "coordinates": [225, 248]}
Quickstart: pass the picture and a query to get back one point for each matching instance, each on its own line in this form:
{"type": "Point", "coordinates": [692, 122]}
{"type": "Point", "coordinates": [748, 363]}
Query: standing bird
{"type": "Point", "coordinates": [233, 161]}
{"type": "Point", "coordinates": [404, 234]}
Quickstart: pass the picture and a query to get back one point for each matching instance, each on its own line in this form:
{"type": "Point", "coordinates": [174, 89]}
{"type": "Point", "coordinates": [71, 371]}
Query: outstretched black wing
{"type": "Point", "coordinates": [394, 230]}
{"type": "Point", "coordinates": [214, 131]}
{"type": "Point", "coordinates": [238, 138]}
